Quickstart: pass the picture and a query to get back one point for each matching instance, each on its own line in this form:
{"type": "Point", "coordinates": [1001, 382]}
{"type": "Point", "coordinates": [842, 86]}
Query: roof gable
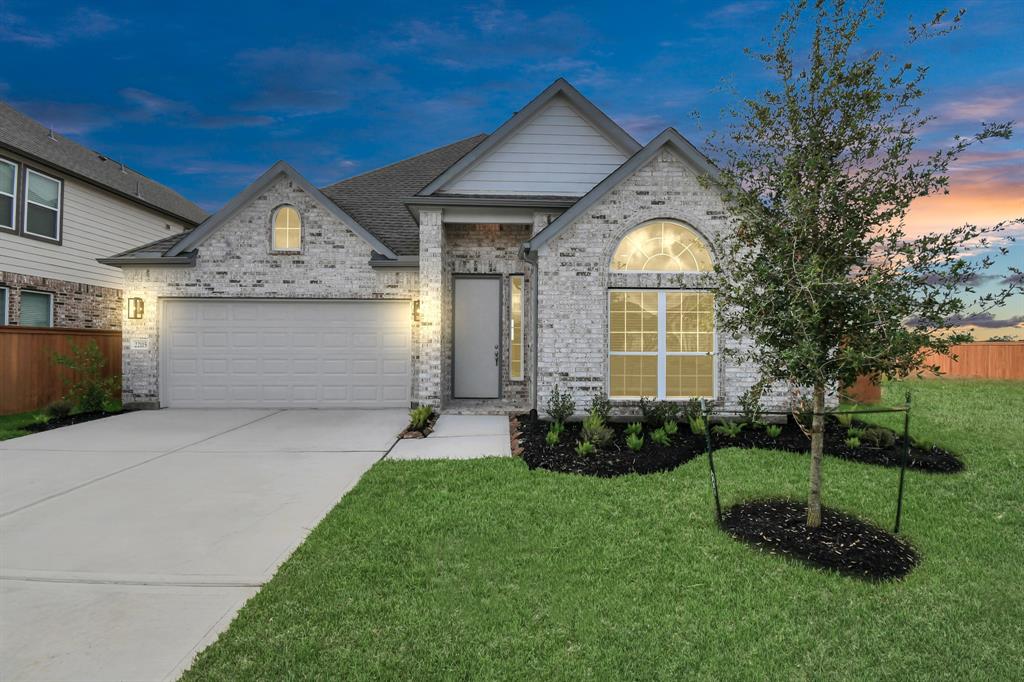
{"type": "Point", "coordinates": [669, 138]}
{"type": "Point", "coordinates": [558, 144]}
{"type": "Point", "coordinates": [200, 233]}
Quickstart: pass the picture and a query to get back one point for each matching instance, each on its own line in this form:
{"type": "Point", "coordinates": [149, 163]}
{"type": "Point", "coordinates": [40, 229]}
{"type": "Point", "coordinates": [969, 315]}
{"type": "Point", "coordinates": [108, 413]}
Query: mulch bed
{"type": "Point", "coordinates": [420, 433]}
{"type": "Point", "coordinates": [57, 422]}
{"type": "Point", "coordinates": [842, 543]}
{"type": "Point", "coordinates": [616, 459]}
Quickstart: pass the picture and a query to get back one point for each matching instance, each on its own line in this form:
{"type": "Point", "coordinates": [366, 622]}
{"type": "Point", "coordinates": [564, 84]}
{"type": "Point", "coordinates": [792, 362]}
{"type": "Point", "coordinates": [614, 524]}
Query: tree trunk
{"type": "Point", "coordinates": [817, 445]}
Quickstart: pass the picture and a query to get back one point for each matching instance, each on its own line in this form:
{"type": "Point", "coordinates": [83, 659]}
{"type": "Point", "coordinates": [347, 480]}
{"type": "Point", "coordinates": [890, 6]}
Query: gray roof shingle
{"type": "Point", "coordinates": [153, 249]}
{"type": "Point", "coordinates": [26, 136]}
{"type": "Point", "coordinates": [375, 199]}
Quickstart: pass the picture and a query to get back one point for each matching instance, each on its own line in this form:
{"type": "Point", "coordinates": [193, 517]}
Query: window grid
{"type": "Point", "coordinates": [661, 246]}
{"type": "Point", "coordinates": [287, 229]}
{"type": "Point", "coordinates": [515, 347]}
{"type": "Point", "coordinates": [680, 365]}
{"type": "Point", "coordinates": [8, 193]}
{"type": "Point", "coordinates": [42, 205]}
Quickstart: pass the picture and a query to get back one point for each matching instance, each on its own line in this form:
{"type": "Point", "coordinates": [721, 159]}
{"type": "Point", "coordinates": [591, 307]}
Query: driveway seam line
{"type": "Point", "coordinates": [128, 468]}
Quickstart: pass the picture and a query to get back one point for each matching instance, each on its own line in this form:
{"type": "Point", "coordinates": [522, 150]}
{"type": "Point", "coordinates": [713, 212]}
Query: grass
{"type": "Point", "coordinates": [486, 570]}
{"type": "Point", "coordinates": [13, 425]}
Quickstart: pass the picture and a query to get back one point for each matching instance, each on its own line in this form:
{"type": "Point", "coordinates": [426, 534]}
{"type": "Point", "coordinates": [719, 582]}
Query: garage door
{"type": "Point", "coordinates": [285, 353]}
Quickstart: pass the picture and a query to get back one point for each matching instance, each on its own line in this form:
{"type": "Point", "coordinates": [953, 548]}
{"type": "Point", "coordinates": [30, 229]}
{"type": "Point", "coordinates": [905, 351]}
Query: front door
{"type": "Point", "coordinates": [477, 338]}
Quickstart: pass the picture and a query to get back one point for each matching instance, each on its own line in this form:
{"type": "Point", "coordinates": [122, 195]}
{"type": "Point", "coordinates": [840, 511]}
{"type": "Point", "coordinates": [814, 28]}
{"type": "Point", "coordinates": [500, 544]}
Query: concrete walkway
{"type": "Point", "coordinates": [128, 543]}
{"type": "Point", "coordinates": [458, 436]}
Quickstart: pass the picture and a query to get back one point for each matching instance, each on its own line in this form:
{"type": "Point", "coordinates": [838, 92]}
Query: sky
{"type": "Point", "coordinates": [203, 97]}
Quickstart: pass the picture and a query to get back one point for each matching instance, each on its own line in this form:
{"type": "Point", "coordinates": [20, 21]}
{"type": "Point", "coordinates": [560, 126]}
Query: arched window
{"type": "Point", "coordinates": [287, 229]}
{"type": "Point", "coordinates": [662, 246]}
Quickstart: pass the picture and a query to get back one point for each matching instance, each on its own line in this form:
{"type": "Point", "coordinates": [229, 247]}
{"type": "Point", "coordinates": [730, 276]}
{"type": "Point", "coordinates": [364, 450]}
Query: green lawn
{"type": "Point", "coordinates": [13, 425]}
{"type": "Point", "coordinates": [486, 570]}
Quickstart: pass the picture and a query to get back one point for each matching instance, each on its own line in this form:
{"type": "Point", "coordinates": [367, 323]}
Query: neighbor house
{"type": "Point", "coordinates": [61, 207]}
{"type": "Point", "coordinates": [556, 251]}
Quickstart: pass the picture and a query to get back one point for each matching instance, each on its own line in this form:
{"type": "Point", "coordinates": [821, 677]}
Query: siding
{"type": "Point", "coordinates": [95, 225]}
{"type": "Point", "coordinates": [558, 152]}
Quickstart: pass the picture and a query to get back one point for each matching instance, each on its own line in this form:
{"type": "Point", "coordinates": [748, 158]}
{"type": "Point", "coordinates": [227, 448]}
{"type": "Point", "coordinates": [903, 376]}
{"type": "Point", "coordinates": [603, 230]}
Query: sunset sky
{"type": "Point", "coordinates": [204, 97]}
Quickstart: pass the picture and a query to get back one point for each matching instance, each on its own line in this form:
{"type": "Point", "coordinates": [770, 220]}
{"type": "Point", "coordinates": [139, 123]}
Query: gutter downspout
{"type": "Point", "coordinates": [530, 257]}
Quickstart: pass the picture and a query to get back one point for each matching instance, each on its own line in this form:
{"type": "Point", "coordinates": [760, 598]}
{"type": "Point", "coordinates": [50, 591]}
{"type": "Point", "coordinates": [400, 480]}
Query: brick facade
{"type": "Point", "coordinates": [83, 306]}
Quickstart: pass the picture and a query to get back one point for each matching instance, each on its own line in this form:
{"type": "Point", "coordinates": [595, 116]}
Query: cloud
{"type": "Point", "coordinates": [1016, 279]}
{"type": "Point", "coordinates": [82, 22]}
{"type": "Point", "coordinates": [982, 107]}
{"type": "Point", "coordinates": [986, 320]}
{"type": "Point", "coordinates": [642, 126]}
{"type": "Point", "coordinates": [744, 8]}
{"type": "Point", "coordinates": [70, 118]}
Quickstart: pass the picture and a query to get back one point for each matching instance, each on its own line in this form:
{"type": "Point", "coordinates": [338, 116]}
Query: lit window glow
{"type": "Point", "coordinates": [662, 246]}
{"type": "Point", "coordinates": [287, 229]}
{"type": "Point", "coordinates": [515, 348]}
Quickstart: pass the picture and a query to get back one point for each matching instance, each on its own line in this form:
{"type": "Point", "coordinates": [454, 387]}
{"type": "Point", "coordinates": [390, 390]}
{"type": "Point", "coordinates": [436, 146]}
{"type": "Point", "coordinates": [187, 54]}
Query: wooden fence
{"type": "Point", "coordinates": [984, 360]}
{"type": "Point", "coordinates": [29, 379]}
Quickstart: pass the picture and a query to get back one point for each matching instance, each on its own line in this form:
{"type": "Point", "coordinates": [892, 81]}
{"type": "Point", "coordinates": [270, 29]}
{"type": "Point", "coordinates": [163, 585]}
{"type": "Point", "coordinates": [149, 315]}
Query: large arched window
{"type": "Point", "coordinates": [662, 246]}
{"type": "Point", "coordinates": [287, 229]}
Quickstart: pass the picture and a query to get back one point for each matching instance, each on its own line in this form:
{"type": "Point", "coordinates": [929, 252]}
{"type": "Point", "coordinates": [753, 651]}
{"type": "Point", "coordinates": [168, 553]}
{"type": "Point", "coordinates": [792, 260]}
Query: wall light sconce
{"type": "Point", "coordinates": [416, 310]}
{"type": "Point", "coordinates": [135, 308]}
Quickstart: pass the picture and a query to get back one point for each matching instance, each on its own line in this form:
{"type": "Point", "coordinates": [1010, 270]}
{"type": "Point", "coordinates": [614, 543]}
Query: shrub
{"type": "Point", "coordinates": [60, 409]}
{"type": "Point", "coordinates": [660, 437]}
{"type": "Point", "coordinates": [879, 437]}
{"type": "Point", "coordinates": [634, 442]}
{"type": "Point", "coordinates": [561, 406]}
{"type": "Point", "coordinates": [698, 426]}
{"type": "Point", "coordinates": [419, 417]}
{"type": "Point", "coordinates": [40, 418]}
{"type": "Point", "coordinates": [658, 411]}
{"type": "Point", "coordinates": [595, 431]}
{"type": "Point", "coordinates": [671, 427]}
{"type": "Point", "coordinates": [750, 404]}
{"type": "Point", "coordinates": [112, 405]}
{"type": "Point", "coordinates": [852, 442]}
{"type": "Point", "coordinates": [730, 429]}
{"type": "Point", "coordinates": [91, 389]}
{"type": "Point", "coordinates": [692, 409]}
{"type": "Point", "coordinates": [585, 448]}
{"type": "Point", "coordinates": [773, 430]}
{"type": "Point", "coordinates": [601, 405]}
{"type": "Point", "coordinates": [634, 429]}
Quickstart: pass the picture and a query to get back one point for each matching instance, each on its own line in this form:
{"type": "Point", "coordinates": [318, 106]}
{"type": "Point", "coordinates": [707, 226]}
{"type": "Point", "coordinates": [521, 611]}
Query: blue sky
{"type": "Point", "coordinates": [204, 97]}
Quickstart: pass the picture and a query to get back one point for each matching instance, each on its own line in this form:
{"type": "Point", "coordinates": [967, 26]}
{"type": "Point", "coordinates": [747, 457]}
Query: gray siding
{"type": "Point", "coordinates": [558, 152]}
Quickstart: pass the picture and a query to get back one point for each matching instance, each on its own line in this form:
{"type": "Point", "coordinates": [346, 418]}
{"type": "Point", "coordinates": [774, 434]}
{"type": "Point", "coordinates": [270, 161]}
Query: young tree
{"type": "Point", "coordinates": [820, 170]}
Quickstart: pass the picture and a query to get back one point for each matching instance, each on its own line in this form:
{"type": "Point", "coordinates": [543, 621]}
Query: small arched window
{"type": "Point", "coordinates": [287, 229]}
{"type": "Point", "coordinates": [662, 246]}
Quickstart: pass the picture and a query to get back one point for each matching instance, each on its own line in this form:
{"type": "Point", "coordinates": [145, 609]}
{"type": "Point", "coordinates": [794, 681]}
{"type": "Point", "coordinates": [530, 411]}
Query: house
{"type": "Point", "coordinates": [556, 251]}
{"type": "Point", "coordinates": [61, 207]}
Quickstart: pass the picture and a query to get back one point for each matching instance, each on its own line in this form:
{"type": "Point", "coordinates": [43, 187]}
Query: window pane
{"type": "Point", "coordinates": [662, 246]}
{"type": "Point", "coordinates": [41, 221]}
{"type": "Point", "coordinates": [287, 229]}
{"type": "Point", "coordinates": [7, 174]}
{"type": "Point", "coordinates": [633, 376]}
{"type": "Point", "coordinates": [689, 376]}
{"type": "Point", "coordinates": [6, 211]}
{"type": "Point", "coordinates": [42, 190]}
{"type": "Point", "coordinates": [515, 354]}
{"type": "Point", "coordinates": [35, 309]}
{"type": "Point", "coordinates": [687, 316]}
{"type": "Point", "coordinates": [3, 306]}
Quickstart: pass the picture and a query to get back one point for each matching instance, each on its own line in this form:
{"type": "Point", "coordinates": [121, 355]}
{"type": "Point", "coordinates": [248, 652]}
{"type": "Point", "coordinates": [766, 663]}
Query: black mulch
{"type": "Point", "coordinates": [613, 460]}
{"type": "Point", "coordinates": [57, 422]}
{"type": "Point", "coordinates": [842, 543]}
{"type": "Point", "coordinates": [616, 459]}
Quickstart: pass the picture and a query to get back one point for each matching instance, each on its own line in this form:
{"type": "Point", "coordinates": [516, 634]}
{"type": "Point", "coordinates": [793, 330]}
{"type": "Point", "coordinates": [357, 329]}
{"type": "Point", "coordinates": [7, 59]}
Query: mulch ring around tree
{"type": "Point", "coordinates": [842, 543]}
{"type": "Point", "coordinates": [614, 459]}
{"type": "Point", "coordinates": [57, 422]}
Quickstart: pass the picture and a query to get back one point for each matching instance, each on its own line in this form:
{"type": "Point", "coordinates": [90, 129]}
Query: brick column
{"type": "Point", "coordinates": [431, 298]}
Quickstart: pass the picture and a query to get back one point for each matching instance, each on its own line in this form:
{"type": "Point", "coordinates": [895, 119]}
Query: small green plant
{"type": "Point", "coordinates": [59, 409]}
{"type": "Point", "coordinates": [595, 431]}
{"type": "Point", "coordinates": [773, 430]}
{"type": "Point", "coordinates": [91, 389]}
{"type": "Point", "coordinates": [879, 437]}
{"type": "Point", "coordinates": [692, 409]}
{"type": "Point", "coordinates": [671, 427]}
{"type": "Point", "coordinates": [585, 448]}
{"type": "Point", "coordinates": [419, 417]}
{"type": "Point", "coordinates": [730, 429]}
{"type": "Point", "coordinates": [660, 437]}
{"type": "Point", "coordinates": [634, 429]}
{"type": "Point", "coordinates": [852, 442]}
{"type": "Point", "coordinates": [561, 406]}
{"type": "Point", "coordinates": [658, 411]}
{"type": "Point", "coordinates": [845, 419]}
{"type": "Point", "coordinates": [552, 436]}
{"type": "Point", "coordinates": [698, 426]}
{"type": "Point", "coordinates": [601, 405]}
{"type": "Point", "coordinates": [112, 406]}
{"type": "Point", "coordinates": [854, 432]}
{"type": "Point", "coordinates": [40, 418]}
{"type": "Point", "coordinates": [634, 442]}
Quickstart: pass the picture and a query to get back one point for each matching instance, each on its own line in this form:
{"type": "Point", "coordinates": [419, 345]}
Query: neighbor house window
{"type": "Point", "coordinates": [36, 309]}
{"type": "Point", "coordinates": [5, 297]}
{"type": "Point", "coordinates": [287, 229]}
{"type": "Point", "coordinates": [42, 205]}
{"type": "Point", "coordinates": [515, 346]}
{"type": "Point", "coordinates": [661, 344]}
{"type": "Point", "coordinates": [662, 246]}
{"type": "Point", "coordinates": [8, 193]}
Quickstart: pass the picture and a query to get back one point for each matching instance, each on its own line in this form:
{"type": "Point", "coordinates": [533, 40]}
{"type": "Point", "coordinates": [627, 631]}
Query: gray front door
{"type": "Point", "coordinates": [477, 337]}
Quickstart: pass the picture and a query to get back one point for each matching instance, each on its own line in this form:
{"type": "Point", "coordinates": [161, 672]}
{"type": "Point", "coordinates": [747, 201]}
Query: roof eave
{"type": "Point", "coordinates": [399, 263]}
{"type": "Point", "coordinates": [188, 259]}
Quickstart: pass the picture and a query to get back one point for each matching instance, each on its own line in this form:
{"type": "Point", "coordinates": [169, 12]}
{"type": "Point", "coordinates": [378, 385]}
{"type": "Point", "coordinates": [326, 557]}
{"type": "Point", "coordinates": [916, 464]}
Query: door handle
{"type": "Point", "coordinates": [497, 359]}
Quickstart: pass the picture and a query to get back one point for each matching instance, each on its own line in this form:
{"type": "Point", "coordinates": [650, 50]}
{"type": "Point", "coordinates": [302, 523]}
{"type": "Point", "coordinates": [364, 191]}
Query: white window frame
{"type": "Point", "coordinates": [5, 314]}
{"type": "Point", "coordinates": [14, 197]}
{"type": "Point", "coordinates": [40, 293]}
{"type": "Point", "coordinates": [661, 353]}
{"type": "Point", "coordinates": [60, 208]}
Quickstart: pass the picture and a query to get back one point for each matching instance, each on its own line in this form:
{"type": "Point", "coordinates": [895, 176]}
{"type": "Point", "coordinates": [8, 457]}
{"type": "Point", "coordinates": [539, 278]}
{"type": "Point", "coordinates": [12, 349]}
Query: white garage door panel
{"type": "Point", "coordinates": [237, 353]}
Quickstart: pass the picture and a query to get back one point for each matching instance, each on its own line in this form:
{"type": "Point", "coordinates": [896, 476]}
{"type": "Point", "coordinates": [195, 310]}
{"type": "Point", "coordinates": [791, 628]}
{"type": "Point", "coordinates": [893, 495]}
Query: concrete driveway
{"type": "Point", "coordinates": [128, 543]}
